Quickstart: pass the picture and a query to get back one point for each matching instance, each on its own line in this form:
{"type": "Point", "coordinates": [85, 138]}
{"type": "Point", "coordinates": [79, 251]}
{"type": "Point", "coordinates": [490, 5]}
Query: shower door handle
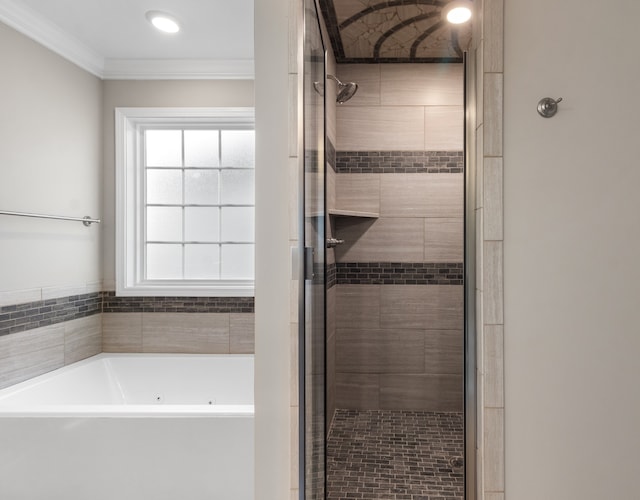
{"type": "Point", "coordinates": [333, 242]}
{"type": "Point", "coordinates": [309, 255]}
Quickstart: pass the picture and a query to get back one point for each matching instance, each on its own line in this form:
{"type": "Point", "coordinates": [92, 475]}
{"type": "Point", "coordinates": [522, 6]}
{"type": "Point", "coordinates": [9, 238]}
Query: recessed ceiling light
{"type": "Point", "coordinates": [163, 21]}
{"type": "Point", "coordinates": [458, 11]}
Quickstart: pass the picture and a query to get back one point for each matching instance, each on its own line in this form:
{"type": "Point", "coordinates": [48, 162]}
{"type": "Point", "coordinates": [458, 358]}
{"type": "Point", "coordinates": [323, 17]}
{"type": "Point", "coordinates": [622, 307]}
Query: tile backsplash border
{"type": "Point", "coordinates": [19, 317]}
{"type": "Point", "coordinates": [115, 304]}
{"type": "Point", "coordinates": [399, 162]}
{"type": "Point", "coordinates": [399, 273]}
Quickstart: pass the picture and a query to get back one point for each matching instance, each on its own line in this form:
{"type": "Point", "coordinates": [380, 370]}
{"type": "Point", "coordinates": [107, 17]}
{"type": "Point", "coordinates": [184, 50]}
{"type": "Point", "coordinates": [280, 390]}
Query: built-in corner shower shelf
{"type": "Point", "coordinates": [353, 213]}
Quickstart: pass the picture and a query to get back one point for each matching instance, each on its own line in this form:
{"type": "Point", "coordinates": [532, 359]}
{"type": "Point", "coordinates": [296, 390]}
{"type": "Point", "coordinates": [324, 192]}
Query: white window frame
{"type": "Point", "coordinates": [130, 198]}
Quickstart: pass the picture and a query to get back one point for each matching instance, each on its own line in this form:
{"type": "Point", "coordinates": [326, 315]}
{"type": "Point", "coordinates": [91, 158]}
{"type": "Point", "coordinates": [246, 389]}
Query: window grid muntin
{"type": "Point", "coordinates": [183, 168]}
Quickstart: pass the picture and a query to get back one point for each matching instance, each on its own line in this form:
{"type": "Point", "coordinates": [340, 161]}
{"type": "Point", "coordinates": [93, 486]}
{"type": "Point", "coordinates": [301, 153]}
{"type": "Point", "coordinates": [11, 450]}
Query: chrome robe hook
{"type": "Point", "coordinates": [548, 107]}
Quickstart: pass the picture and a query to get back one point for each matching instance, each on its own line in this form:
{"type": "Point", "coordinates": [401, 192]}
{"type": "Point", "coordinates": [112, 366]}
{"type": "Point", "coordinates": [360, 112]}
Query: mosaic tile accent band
{"type": "Point", "coordinates": [332, 276]}
{"type": "Point", "coordinates": [27, 316]}
{"type": "Point", "coordinates": [113, 304]}
{"type": "Point", "coordinates": [399, 273]}
{"type": "Point", "coordinates": [399, 162]}
{"type": "Point", "coordinates": [312, 158]}
{"type": "Point", "coordinates": [331, 154]}
{"type": "Point", "coordinates": [21, 317]}
{"type": "Point", "coordinates": [393, 455]}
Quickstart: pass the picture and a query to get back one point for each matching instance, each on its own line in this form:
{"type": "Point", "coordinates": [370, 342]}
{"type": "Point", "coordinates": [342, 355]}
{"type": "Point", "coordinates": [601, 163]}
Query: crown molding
{"type": "Point", "coordinates": [29, 23]}
{"type": "Point", "coordinates": [178, 69]}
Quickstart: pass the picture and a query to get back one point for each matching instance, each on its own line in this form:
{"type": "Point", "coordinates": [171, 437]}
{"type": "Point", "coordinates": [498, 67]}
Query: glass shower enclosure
{"type": "Point", "coordinates": [312, 303]}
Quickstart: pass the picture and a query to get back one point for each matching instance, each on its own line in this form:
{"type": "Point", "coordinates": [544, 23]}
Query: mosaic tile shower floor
{"type": "Point", "coordinates": [394, 455]}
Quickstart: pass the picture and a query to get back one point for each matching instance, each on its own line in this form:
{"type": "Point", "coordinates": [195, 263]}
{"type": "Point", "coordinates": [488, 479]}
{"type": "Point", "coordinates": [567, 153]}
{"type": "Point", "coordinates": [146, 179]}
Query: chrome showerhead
{"type": "Point", "coordinates": [345, 90]}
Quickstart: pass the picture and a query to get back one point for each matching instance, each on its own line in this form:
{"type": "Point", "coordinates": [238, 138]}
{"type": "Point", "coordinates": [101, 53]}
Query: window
{"type": "Point", "coordinates": [185, 201]}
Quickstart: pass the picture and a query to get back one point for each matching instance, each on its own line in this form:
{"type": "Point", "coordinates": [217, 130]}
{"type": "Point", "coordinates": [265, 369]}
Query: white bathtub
{"type": "Point", "coordinates": [131, 426]}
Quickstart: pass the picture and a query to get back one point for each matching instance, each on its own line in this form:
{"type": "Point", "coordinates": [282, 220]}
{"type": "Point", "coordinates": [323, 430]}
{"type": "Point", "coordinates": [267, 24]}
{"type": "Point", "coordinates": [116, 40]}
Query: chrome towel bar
{"type": "Point", "coordinates": [86, 220]}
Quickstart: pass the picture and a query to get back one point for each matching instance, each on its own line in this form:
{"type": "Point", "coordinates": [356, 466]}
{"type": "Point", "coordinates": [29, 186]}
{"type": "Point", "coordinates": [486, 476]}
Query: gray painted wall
{"type": "Point", "coordinates": [571, 247]}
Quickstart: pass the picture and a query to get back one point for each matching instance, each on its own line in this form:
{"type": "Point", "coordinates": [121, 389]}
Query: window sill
{"type": "Point", "coordinates": [190, 290]}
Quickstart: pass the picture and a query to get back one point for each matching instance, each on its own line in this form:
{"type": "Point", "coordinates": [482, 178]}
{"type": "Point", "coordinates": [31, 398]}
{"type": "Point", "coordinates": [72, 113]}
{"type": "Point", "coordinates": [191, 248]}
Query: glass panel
{"type": "Point", "coordinates": [314, 340]}
{"type": "Point", "coordinates": [201, 187]}
{"type": "Point", "coordinates": [164, 262]}
{"type": "Point", "coordinates": [201, 262]}
{"type": "Point", "coordinates": [164, 186]}
{"type": "Point", "coordinates": [238, 148]}
{"type": "Point", "coordinates": [238, 224]}
{"type": "Point", "coordinates": [163, 148]}
{"type": "Point", "coordinates": [238, 187]}
{"type": "Point", "coordinates": [201, 148]}
{"type": "Point", "coordinates": [164, 224]}
{"type": "Point", "coordinates": [201, 224]}
{"type": "Point", "coordinates": [237, 262]}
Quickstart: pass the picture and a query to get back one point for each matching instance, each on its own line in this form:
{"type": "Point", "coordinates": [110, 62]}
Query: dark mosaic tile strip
{"type": "Point", "coordinates": [27, 316]}
{"type": "Point", "coordinates": [312, 158]}
{"type": "Point", "coordinates": [393, 454]}
{"type": "Point", "coordinates": [331, 154]}
{"type": "Point", "coordinates": [177, 304]}
{"type": "Point", "coordinates": [399, 273]}
{"type": "Point", "coordinates": [332, 275]}
{"type": "Point", "coordinates": [399, 162]}
{"type": "Point", "coordinates": [21, 317]}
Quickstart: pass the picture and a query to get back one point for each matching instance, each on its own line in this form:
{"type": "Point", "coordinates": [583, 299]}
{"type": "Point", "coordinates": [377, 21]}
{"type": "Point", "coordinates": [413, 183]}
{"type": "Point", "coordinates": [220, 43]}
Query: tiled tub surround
{"type": "Point", "coordinates": [37, 337]}
{"type": "Point", "coordinates": [28, 353]}
{"type": "Point", "coordinates": [204, 333]}
{"type": "Point", "coordinates": [205, 325]}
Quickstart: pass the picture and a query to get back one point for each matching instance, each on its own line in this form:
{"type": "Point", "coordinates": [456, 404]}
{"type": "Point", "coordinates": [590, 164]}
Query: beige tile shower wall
{"type": "Point", "coordinates": [420, 217]}
{"type": "Point", "coordinates": [404, 107]}
{"type": "Point", "coordinates": [27, 354]}
{"type": "Point", "coordinates": [200, 333]}
{"type": "Point", "coordinates": [399, 347]}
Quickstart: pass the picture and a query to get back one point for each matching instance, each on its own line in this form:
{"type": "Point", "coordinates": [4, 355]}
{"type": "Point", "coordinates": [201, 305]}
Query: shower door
{"type": "Point", "coordinates": [312, 338]}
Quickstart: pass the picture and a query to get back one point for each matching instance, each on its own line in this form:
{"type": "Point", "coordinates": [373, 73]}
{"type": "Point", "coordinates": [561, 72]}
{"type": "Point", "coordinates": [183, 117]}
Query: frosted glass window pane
{"type": "Point", "coordinates": [164, 224]}
{"type": "Point", "coordinates": [201, 224]}
{"type": "Point", "coordinates": [237, 262]}
{"type": "Point", "coordinates": [238, 148]}
{"type": "Point", "coordinates": [164, 186]}
{"type": "Point", "coordinates": [163, 148]}
{"type": "Point", "coordinates": [238, 187]}
{"type": "Point", "coordinates": [201, 262]}
{"type": "Point", "coordinates": [238, 224]}
{"type": "Point", "coordinates": [164, 262]}
{"type": "Point", "coordinates": [201, 148]}
{"type": "Point", "coordinates": [201, 187]}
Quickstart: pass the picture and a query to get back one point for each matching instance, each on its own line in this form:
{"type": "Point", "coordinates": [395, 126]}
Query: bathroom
{"type": "Point", "coordinates": [85, 257]}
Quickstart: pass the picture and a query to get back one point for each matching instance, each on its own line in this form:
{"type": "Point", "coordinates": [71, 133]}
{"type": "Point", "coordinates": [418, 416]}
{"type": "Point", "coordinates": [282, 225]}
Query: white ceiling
{"type": "Point", "coordinates": [113, 39]}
